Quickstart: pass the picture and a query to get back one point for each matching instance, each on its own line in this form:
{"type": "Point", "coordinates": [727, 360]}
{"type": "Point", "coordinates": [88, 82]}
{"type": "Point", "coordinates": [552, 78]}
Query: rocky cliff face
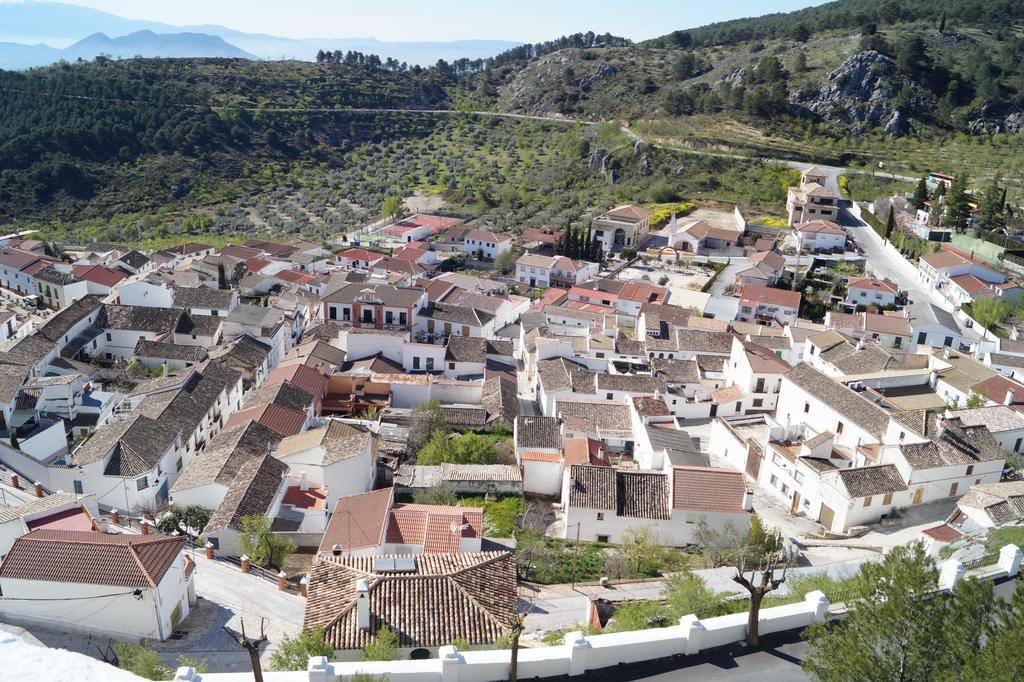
{"type": "Point", "coordinates": [995, 118]}
{"type": "Point", "coordinates": [863, 93]}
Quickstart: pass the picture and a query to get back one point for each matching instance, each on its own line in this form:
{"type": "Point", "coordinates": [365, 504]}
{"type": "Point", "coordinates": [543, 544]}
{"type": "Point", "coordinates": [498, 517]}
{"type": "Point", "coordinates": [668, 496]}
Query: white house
{"type": "Point", "coordinates": [553, 271]}
{"type": "Point", "coordinates": [340, 458]}
{"type": "Point", "coordinates": [870, 290]}
{"type": "Point", "coordinates": [607, 503]}
{"type": "Point", "coordinates": [765, 304]}
{"type": "Point", "coordinates": [128, 587]}
{"type": "Point", "coordinates": [486, 244]}
{"type": "Point", "coordinates": [820, 235]}
{"type": "Point", "coordinates": [936, 269]}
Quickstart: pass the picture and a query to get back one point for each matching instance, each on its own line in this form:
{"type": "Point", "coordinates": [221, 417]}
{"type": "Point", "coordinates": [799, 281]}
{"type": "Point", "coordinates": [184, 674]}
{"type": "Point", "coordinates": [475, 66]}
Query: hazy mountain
{"type": "Point", "coordinates": [138, 44]}
{"type": "Point", "coordinates": [38, 26]}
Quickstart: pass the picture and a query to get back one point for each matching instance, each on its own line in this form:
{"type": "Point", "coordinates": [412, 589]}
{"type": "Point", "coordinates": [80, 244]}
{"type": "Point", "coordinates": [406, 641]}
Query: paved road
{"type": "Point", "coordinates": [727, 277]}
{"type": "Point", "coordinates": [778, 660]}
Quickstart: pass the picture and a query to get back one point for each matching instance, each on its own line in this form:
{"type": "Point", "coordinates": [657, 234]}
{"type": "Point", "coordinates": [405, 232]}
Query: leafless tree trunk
{"type": "Point", "coordinates": [253, 647]}
{"type": "Point", "coordinates": [515, 629]}
{"type": "Point", "coordinates": [762, 580]}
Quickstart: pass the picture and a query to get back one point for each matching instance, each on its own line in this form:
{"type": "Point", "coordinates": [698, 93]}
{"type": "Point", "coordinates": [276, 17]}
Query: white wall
{"type": "Point", "coordinates": [542, 478]}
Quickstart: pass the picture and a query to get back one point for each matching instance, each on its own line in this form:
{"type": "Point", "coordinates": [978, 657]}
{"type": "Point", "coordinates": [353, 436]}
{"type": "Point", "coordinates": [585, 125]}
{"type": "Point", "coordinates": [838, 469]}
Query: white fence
{"type": "Point", "coordinates": [576, 656]}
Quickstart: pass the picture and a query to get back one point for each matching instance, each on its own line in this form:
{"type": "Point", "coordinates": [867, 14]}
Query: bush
{"type": "Point", "coordinates": [383, 647]}
{"type": "Point", "coordinates": [263, 547]}
{"type": "Point", "coordinates": [294, 652]}
{"type": "Point", "coordinates": [190, 519]}
{"type": "Point", "coordinates": [468, 448]}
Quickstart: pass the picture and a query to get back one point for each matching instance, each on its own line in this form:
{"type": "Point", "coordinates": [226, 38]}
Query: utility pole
{"type": "Point", "coordinates": [252, 646]}
{"type": "Point", "coordinates": [575, 555]}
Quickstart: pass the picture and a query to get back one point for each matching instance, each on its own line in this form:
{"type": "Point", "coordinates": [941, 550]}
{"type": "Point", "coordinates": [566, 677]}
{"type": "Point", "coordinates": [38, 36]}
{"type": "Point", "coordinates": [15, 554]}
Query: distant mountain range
{"type": "Point", "coordinates": [40, 33]}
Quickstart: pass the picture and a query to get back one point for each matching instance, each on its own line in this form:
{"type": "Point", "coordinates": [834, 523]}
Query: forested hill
{"type": "Point", "coordinates": [67, 131]}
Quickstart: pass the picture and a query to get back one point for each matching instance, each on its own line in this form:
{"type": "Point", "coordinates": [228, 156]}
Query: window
{"type": "Point", "coordinates": [141, 483]}
{"type": "Point", "coordinates": [108, 337]}
{"type": "Point", "coordinates": [389, 317]}
{"type": "Point", "coordinates": [759, 386]}
{"type": "Point", "coordinates": [1016, 446]}
{"type": "Point", "coordinates": [839, 427]}
{"type": "Point", "coordinates": [970, 470]}
{"type": "Point", "coordinates": [600, 516]}
{"type": "Point", "coordinates": [332, 313]}
{"type": "Point", "coordinates": [887, 499]}
{"type": "Point", "coordinates": [902, 436]}
{"type": "Point", "coordinates": [897, 342]}
{"type": "Point", "coordinates": [952, 489]}
{"type": "Point", "coordinates": [921, 337]}
{"type": "Point", "coordinates": [758, 402]}
{"type": "Point", "coordinates": [774, 480]}
{"type": "Point", "coordinates": [430, 364]}
{"type": "Point", "coordinates": [78, 487]}
{"type": "Point", "coordinates": [807, 408]}
{"type": "Point", "coordinates": [948, 341]}
{"type": "Point", "coordinates": [451, 365]}
{"type": "Point", "coordinates": [416, 362]}
{"type": "Point", "coordinates": [602, 538]}
{"type": "Point", "coordinates": [214, 313]}
{"type": "Point", "coordinates": [346, 314]}
{"type": "Point", "coordinates": [608, 396]}
{"type": "Point", "coordinates": [401, 318]}
{"type": "Point", "coordinates": [867, 501]}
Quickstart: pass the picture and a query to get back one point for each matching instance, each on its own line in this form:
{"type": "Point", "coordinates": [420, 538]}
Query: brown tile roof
{"type": "Point", "coordinates": [358, 521]}
{"type": "Point", "coordinates": [91, 558]}
{"type": "Point", "coordinates": [951, 445]}
{"type": "Point", "coordinates": [282, 420]}
{"type": "Point", "coordinates": [707, 489]}
{"type": "Point", "coordinates": [531, 456]}
{"type": "Point", "coordinates": [448, 597]}
{"type": "Point", "coordinates": [251, 493]}
{"type": "Point", "coordinates": [872, 480]}
{"type": "Point", "coordinates": [310, 380]}
{"type": "Point", "coordinates": [872, 284]}
{"type": "Point", "coordinates": [843, 400]}
{"type": "Point", "coordinates": [632, 494]}
{"type": "Point", "coordinates": [753, 294]}
{"type": "Point", "coordinates": [538, 432]}
{"type": "Point", "coordinates": [593, 417]}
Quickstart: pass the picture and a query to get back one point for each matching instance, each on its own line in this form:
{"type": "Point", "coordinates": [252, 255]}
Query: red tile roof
{"type": "Point", "coordinates": [942, 533]}
{"type": "Point", "coordinates": [971, 284]}
{"type": "Point", "coordinates": [92, 558]}
{"type": "Point", "coordinates": [282, 420]}
{"type": "Point", "coordinates": [534, 456]}
{"type": "Point", "coordinates": [872, 284]}
{"type": "Point", "coordinates": [769, 296]}
{"type": "Point", "coordinates": [360, 254]}
{"type": "Point", "coordinates": [581, 450]}
{"type": "Point", "coordinates": [995, 389]}
{"type": "Point", "coordinates": [98, 274]}
{"type": "Point", "coordinates": [256, 264]}
{"type": "Point", "coordinates": [358, 521]}
{"type": "Point", "coordinates": [437, 528]}
{"type": "Point", "coordinates": [540, 234]}
{"type": "Point", "coordinates": [295, 277]}
{"type": "Point", "coordinates": [707, 489]}
{"type": "Point", "coordinates": [242, 252]}
{"type": "Point", "coordinates": [820, 226]}
{"type": "Point", "coordinates": [310, 380]}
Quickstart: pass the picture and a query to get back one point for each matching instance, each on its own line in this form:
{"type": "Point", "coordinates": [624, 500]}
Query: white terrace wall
{"type": "Point", "coordinates": [578, 655]}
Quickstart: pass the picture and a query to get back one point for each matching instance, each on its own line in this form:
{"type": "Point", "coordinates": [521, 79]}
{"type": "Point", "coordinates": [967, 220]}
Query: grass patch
{"type": "Point", "coordinates": [660, 213]}
{"type": "Point", "coordinates": [499, 514]}
{"type": "Point", "coordinates": [999, 537]}
{"type": "Point", "coordinates": [770, 221]}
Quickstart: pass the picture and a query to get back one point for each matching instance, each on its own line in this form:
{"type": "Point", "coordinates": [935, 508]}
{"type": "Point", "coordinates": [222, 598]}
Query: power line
{"type": "Point", "coordinates": [96, 596]}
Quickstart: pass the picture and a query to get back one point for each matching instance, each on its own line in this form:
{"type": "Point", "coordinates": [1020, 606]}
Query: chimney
{"type": "Point", "coordinates": [945, 352]}
{"type": "Point", "coordinates": [940, 423]}
{"type": "Point", "coordinates": [363, 604]}
{"type": "Point", "coordinates": [748, 499]}
{"type": "Point", "coordinates": [39, 489]}
{"type": "Point", "coordinates": [303, 481]}
{"type": "Point", "coordinates": [165, 371]}
{"type": "Point", "coordinates": [1009, 397]}
{"type": "Point", "coordinates": [336, 550]}
{"type": "Point", "coordinates": [115, 517]}
{"type": "Point", "coordinates": [860, 343]}
{"type": "Point", "coordinates": [144, 527]}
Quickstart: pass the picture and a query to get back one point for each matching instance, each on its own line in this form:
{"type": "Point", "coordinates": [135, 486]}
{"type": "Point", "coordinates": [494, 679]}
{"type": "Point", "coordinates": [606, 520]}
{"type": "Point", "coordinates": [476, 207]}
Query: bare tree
{"type": "Point", "coordinates": [252, 645]}
{"type": "Point", "coordinates": [515, 629]}
{"type": "Point", "coordinates": [762, 580]}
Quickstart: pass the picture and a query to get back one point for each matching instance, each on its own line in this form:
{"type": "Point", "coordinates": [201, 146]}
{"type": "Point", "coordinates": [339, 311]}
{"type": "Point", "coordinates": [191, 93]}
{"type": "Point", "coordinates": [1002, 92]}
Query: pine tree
{"type": "Point", "coordinates": [938, 205]}
{"type": "Point", "coordinates": [921, 194]}
{"type": "Point", "coordinates": [958, 209]}
{"type": "Point", "coordinates": [942, 23]}
{"type": "Point", "coordinates": [990, 207]}
{"type": "Point", "coordinates": [890, 224]}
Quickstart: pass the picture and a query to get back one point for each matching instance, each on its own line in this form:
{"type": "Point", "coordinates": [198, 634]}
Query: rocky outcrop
{"type": "Point", "coordinates": [862, 93]}
{"type": "Point", "coordinates": [604, 72]}
{"type": "Point", "coordinates": [993, 118]}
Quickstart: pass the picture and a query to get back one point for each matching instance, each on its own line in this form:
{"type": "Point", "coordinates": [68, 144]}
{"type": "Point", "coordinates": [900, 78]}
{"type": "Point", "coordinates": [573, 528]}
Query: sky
{"type": "Point", "coordinates": [443, 20]}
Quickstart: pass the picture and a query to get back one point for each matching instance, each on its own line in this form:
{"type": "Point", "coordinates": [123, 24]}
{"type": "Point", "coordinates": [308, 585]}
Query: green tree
{"type": "Point", "coordinates": [938, 204]}
{"type": "Point", "coordinates": [920, 194]}
{"type": "Point", "coordinates": [440, 493]}
{"type": "Point", "coordinates": [391, 208]}
{"type": "Point", "coordinates": [800, 62]}
{"type": "Point", "coordinates": [190, 520]}
{"type": "Point", "coordinates": [911, 56]}
{"type": "Point", "coordinates": [897, 628]}
{"type": "Point", "coordinates": [687, 66]}
{"type": "Point", "coordinates": [293, 653]}
{"type": "Point", "coordinates": [425, 419]}
{"type": "Point", "coordinates": [643, 550]}
{"type": "Point", "coordinates": [942, 23]}
{"type": "Point", "coordinates": [505, 263]}
{"type": "Point", "coordinates": [958, 207]}
{"type": "Point", "coordinates": [467, 448]}
{"type": "Point", "coordinates": [142, 660]}
{"type": "Point", "coordinates": [383, 646]}
{"type": "Point", "coordinates": [975, 400]}
{"type": "Point", "coordinates": [686, 593]}
{"type": "Point", "coordinates": [990, 311]}
{"type": "Point", "coordinates": [890, 224]}
{"type": "Point", "coordinates": [991, 206]}
{"type": "Point", "coordinates": [1001, 656]}
{"type": "Point", "coordinates": [222, 277]}
{"type": "Point", "coordinates": [263, 548]}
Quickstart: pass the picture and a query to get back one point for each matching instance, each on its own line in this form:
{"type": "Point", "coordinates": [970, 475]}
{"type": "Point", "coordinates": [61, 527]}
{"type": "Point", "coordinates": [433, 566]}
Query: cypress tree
{"type": "Point", "coordinates": [890, 224]}
{"type": "Point", "coordinates": [921, 194]}
{"type": "Point", "coordinates": [942, 23]}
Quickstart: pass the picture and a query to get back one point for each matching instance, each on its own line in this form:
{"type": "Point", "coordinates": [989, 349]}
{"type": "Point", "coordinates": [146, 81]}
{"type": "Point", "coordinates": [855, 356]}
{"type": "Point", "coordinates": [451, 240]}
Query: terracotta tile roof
{"type": "Point", "coordinates": [595, 417]}
{"type": "Point", "coordinates": [360, 254]}
{"type": "Point", "coordinates": [707, 489]}
{"type": "Point", "coordinates": [768, 296]}
{"type": "Point", "coordinates": [252, 493]}
{"type": "Point", "coordinates": [431, 526]}
{"type": "Point", "coordinates": [727, 394]}
{"type": "Point", "coordinates": [310, 380]}
{"type": "Point", "coordinates": [310, 498]}
{"type": "Point", "coordinates": [538, 432]}
{"type": "Point", "coordinates": [820, 226]}
{"type": "Point", "coordinates": [943, 533]}
{"type": "Point", "coordinates": [358, 521]}
{"type": "Point", "coordinates": [843, 400]}
{"type": "Point", "coordinates": [98, 274]}
{"type": "Point", "coordinates": [872, 284]}
{"type": "Point", "coordinates": [971, 284]}
{"type": "Point", "coordinates": [447, 597]}
{"type": "Point", "coordinates": [282, 420]}
{"type": "Point", "coordinates": [480, 472]}
{"type": "Point", "coordinates": [91, 558]}
{"type": "Point", "coordinates": [998, 387]}
{"type": "Point", "coordinates": [532, 456]}
{"type": "Point", "coordinates": [631, 211]}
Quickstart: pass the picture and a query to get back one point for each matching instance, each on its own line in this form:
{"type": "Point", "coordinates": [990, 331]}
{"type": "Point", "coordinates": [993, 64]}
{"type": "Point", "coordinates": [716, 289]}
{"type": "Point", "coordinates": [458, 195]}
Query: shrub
{"type": "Point", "coordinates": [383, 647]}
{"type": "Point", "coordinates": [294, 652]}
